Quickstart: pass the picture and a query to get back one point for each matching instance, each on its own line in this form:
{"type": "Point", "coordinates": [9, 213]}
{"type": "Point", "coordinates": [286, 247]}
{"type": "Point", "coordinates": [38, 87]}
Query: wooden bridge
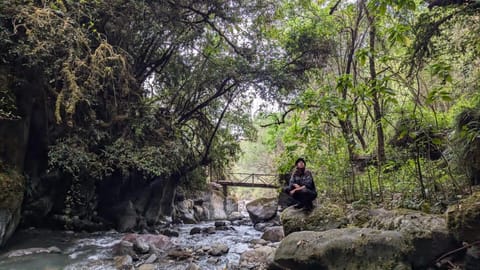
{"type": "Point", "coordinates": [255, 180]}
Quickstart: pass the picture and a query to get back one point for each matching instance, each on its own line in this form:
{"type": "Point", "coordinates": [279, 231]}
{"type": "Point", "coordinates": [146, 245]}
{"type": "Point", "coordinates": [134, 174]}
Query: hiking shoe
{"type": "Point", "coordinates": [298, 206]}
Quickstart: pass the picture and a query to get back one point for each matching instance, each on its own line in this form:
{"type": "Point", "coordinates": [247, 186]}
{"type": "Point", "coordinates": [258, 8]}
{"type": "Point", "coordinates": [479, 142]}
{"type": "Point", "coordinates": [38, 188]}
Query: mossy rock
{"type": "Point", "coordinates": [427, 233]}
{"type": "Point", "coordinates": [347, 248]}
{"type": "Point", "coordinates": [12, 185]}
{"type": "Point", "coordinates": [463, 218]}
{"type": "Point", "coordinates": [323, 217]}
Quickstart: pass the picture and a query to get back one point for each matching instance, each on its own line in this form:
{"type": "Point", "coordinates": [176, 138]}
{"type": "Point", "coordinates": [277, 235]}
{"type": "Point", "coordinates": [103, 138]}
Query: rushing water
{"type": "Point", "coordinates": [94, 250]}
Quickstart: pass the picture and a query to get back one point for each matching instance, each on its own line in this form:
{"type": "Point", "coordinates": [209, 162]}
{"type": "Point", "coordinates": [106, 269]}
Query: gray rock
{"type": "Point", "coordinates": [218, 249]}
{"type": "Point", "coordinates": [147, 266]}
{"type": "Point", "coordinates": [263, 209]}
{"type": "Point", "coordinates": [208, 230]}
{"type": "Point", "coordinates": [349, 248]}
{"type": "Point", "coordinates": [180, 253]}
{"type": "Point", "coordinates": [157, 243]}
{"type": "Point", "coordinates": [262, 242]}
{"type": "Point", "coordinates": [124, 248]}
{"type": "Point", "coordinates": [151, 259]}
{"type": "Point", "coordinates": [258, 258]}
{"type": "Point", "coordinates": [170, 233]}
{"type": "Point", "coordinates": [427, 233]}
{"type": "Point", "coordinates": [195, 230]}
{"type": "Point", "coordinates": [140, 246]}
{"type": "Point", "coordinates": [123, 262]}
{"type": "Point", "coordinates": [235, 216]}
{"type": "Point", "coordinates": [192, 266]}
{"type": "Point", "coordinates": [273, 234]}
{"type": "Point", "coordinates": [184, 212]}
{"type": "Point", "coordinates": [221, 223]}
{"type": "Point", "coordinates": [127, 217]}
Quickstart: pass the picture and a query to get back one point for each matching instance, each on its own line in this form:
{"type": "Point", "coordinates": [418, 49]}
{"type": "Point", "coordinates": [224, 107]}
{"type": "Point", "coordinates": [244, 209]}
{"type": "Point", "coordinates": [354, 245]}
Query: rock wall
{"type": "Point", "coordinates": [205, 205]}
{"type": "Point", "coordinates": [11, 197]}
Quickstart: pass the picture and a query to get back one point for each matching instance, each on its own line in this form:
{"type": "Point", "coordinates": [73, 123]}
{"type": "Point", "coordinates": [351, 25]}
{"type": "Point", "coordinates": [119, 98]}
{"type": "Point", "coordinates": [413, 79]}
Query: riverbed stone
{"type": "Point", "coordinates": [209, 230]}
{"type": "Point", "coordinates": [463, 218]}
{"type": "Point", "coordinates": [180, 253]}
{"type": "Point", "coordinates": [221, 223]}
{"type": "Point", "coordinates": [123, 262]}
{"type": "Point", "coordinates": [141, 246]}
{"type": "Point", "coordinates": [147, 266]}
{"type": "Point", "coordinates": [258, 258]}
{"type": "Point", "coordinates": [235, 216]}
{"type": "Point", "coordinates": [157, 241]}
{"type": "Point", "coordinates": [193, 266]}
{"type": "Point", "coordinates": [262, 210]}
{"type": "Point", "coordinates": [323, 217]}
{"type": "Point", "coordinates": [262, 242]}
{"type": "Point", "coordinates": [273, 234]}
{"type": "Point", "coordinates": [218, 249]}
{"type": "Point", "coordinates": [151, 259]}
{"type": "Point", "coordinates": [195, 230]}
{"type": "Point", "coordinates": [170, 232]}
{"type": "Point", "coordinates": [348, 248]}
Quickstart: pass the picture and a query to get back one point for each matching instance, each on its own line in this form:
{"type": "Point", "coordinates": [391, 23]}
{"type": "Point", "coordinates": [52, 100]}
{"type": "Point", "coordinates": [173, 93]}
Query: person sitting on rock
{"type": "Point", "coordinates": [301, 186]}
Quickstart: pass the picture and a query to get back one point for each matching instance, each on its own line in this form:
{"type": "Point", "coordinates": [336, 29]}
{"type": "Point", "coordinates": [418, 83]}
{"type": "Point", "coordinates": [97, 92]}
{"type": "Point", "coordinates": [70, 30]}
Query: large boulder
{"type": "Point", "coordinates": [324, 217]}
{"type": "Point", "coordinates": [348, 248]}
{"type": "Point", "coordinates": [263, 209]}
{"type": "Point", "coordinates": [463, 219]}
{"type": "Point", "coordinates": [427, 233]}
{"type": "Point", "coordinates": [11, 197]}
{"type": "Point", "coordinates": [184, 212]}
{"type": "Point", "coordinates": [213, 203]}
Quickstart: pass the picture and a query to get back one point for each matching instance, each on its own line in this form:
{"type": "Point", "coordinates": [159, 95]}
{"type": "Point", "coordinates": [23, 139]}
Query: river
{"type": "Point", "coordinates": [94, 250]}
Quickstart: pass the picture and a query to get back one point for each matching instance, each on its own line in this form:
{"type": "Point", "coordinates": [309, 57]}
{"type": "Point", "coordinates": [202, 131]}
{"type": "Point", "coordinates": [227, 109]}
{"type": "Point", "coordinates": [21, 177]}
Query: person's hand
{"type": "Point", "coordinates": [296, 186]}
{"type": "Point", "coordinates": [293, 191]}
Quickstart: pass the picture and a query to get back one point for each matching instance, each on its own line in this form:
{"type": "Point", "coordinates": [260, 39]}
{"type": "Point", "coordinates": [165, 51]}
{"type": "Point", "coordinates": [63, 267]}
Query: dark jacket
{"type": "Point", "coordinates": [302, 179]}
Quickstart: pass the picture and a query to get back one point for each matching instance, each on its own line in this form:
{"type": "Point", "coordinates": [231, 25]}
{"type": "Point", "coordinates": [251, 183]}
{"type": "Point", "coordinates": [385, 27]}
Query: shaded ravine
{"type": "Point", "coordinates": [95, 250]}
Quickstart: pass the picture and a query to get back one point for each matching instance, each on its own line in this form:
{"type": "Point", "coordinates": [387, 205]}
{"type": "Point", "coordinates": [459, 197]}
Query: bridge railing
{"type": "Point", "coordinates": [252, 178]}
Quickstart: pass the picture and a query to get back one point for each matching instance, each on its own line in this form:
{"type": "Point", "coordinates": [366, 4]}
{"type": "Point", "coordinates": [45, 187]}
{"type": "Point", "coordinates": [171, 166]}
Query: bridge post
{"type": "Point", "coordinates": [225, 194]}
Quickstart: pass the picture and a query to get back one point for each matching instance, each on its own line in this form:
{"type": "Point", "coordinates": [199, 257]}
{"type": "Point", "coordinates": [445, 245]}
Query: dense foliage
{"type": "Point", "coordinates": [378, 118]}
{"type": "Point", "coordinates": [373, 93]}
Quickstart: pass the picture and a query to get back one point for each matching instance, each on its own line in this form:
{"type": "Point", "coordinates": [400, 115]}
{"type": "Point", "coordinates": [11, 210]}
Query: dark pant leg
{"type": "Point", "coordinates": [305, 196]}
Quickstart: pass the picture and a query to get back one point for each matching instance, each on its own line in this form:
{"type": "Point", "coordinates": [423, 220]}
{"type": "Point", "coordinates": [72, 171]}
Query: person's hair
{"type": "Point", "coordinates": [300, 159]}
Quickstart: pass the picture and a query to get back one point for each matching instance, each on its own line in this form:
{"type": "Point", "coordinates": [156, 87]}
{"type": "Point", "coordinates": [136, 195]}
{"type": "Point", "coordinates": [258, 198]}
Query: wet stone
{"type": "Point", "coordinates": [221, 223]}
{"type": "Point", "coordinates": [218, 250]}
{"type": "Point", "coordinates": [171, 233]}
{"type": "Point", "coordinates": [195, 230]}
{"type": "Point", "coordinates": [180, 254]}
{"type": "Point", "coordinates": [147, 266]}
{"type": "Point", "coordinates": [151, 259]}
{"type": "Point", "coordinates": [209, 230]}
{"type": "Point", "coordinates": [141, 246]}
{"type": "Point", "coordinates": [123, 262]}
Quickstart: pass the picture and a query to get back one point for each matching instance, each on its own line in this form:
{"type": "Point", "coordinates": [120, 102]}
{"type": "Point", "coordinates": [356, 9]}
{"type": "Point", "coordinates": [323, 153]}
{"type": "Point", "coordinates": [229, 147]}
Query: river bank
{"type": "Point", "coordinates": [97, 250]}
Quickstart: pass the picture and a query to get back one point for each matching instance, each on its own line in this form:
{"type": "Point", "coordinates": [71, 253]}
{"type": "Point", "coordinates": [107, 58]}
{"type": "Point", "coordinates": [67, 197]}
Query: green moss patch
{"type": "Point", "coordinates": [463, 219]}
{"type": "Point", "coordinates": [12, 187]}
